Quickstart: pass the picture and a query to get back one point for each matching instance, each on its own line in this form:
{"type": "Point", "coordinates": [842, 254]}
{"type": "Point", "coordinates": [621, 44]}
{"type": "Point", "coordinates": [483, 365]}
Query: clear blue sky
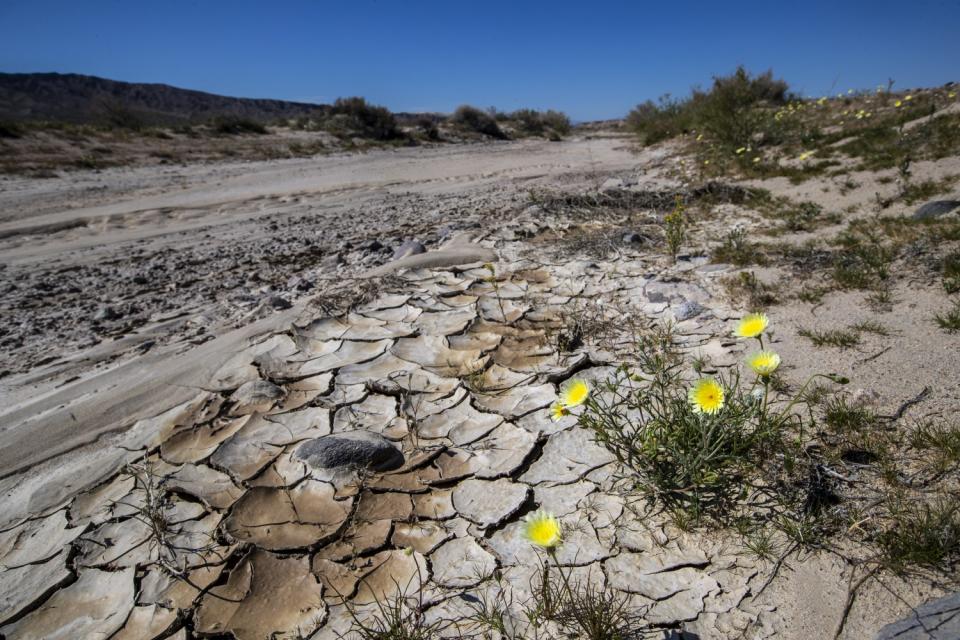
{"type": "Point", "coordinates": [592, 59]}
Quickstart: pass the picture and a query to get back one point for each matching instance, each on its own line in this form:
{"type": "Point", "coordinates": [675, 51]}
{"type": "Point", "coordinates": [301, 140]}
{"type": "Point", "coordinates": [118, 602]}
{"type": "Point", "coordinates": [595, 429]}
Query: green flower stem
{"type": "Point", "coordinates": [552, 551]}
{"type": "Point", "coordinates": [830, 377]}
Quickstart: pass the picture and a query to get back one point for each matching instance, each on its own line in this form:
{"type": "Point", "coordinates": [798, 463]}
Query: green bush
{"type": "Point", "coordinates": [537, 123]}
{"type": "Point", "coordinates": [656, 121]}
{"type": "Point", "coordinates": [727, 112]}
{"type": "Point", "coordinates": [356, 116]}
{"type": "Point", "coordinates": [473, 119]}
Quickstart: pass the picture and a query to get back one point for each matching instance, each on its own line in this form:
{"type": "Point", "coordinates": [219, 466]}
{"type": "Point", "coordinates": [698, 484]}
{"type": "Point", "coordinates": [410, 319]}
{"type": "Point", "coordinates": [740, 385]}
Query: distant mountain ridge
{"type": "Point", "coordinates": [82, 99]}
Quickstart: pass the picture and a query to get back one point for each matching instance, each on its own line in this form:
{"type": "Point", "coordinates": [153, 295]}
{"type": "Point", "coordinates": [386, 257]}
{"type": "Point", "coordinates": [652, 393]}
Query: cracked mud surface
{"type": "Point", "coordinates": [448, 375]}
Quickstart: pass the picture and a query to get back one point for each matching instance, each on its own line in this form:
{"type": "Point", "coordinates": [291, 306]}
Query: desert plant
{"type": "Point", "coordinates": [738, 250]}
{"type": "Point", "coordinates": [921, 533]}
{"type": "Point", "coordinates": [692, 447]}
{"type": "Point", "coordinates": [357, 117]}
{"type": "Point", "coordinates": [656, 121]}
{"type": "Point", "coordinates": [949, 320]}
{"type": "Point", "coordinates": [473, 119]}
{"type": "Point", "coordinates": [950, 269]}
{"type": "Point", "coordinates": [675, 228]}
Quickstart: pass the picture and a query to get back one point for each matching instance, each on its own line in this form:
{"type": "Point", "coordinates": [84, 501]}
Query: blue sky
{"type": "Point", "coordinates": [591, 59]}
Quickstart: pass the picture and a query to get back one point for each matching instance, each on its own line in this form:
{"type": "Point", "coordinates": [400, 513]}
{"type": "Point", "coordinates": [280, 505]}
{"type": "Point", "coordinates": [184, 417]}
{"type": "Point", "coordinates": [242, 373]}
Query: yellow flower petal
{"type": "Point", "coordinates": [543, 529]}
{"type": "Point", "coordinates": [752, 325]}
{"type": "Point", "coordinates": [573, 393]}
{"type": "Point", "coordinates": [558, 412]}
{"type": "Point", "coordinates": [706, 396]}
{"type": "Point", "coordinates": [764, 363]}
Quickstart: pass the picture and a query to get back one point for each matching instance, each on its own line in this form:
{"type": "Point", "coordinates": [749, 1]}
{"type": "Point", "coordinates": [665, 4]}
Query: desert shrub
{"type": "Point", "coordinates": [532, 122]}
{"type": "Point", "coordinates": [556, 121]}
{"type": "Point", "coordinates": [232, 125]}
{"type": "Point", "coordinates": [728, 112]}
{"type": "Point", "coordinates": [528, 120]}
{"type": "Point", "coordinates": [473, 119]}
{"type": "Point", "coordinates": [428, 128]}
{"type": "Point", "coordinates": [356, 116]}
{"type": "Point", "coordinates": [656, 121]}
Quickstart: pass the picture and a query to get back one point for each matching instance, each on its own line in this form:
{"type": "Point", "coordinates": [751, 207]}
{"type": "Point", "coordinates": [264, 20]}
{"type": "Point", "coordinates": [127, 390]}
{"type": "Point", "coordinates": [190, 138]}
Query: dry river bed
{"type": "Point", "coordinates": [163, 364]}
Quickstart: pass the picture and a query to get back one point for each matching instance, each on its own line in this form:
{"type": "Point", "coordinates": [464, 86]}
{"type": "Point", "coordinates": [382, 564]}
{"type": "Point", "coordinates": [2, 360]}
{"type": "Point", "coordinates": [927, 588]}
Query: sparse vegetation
{"type": "Point", "coordinates": [939, 438]}
{"type": "Point", "coordinates": [232, 125]}
{"type": "Point", "coordinates": [472, 119]}
{"type": "Point", "coordinates": [737, 249]}
{"type": "Point", "coordinates": [924, 533]}
{"type": "Point", "coordinates": [675, 228]}
{"type": "Point", "coordinates": [843, 338]}
{"type": "Point", "coordinates": [727, 112]}
{"type": "Point", "coordinates": [356, 117]}
{"type": "Point", "coordinates": [537, 123]}
{"type": "Point", "coordinates": [949, 320]}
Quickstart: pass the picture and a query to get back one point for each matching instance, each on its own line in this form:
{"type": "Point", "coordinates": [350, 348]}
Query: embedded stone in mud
{"type": "Point", "coordinates": [352, 449]}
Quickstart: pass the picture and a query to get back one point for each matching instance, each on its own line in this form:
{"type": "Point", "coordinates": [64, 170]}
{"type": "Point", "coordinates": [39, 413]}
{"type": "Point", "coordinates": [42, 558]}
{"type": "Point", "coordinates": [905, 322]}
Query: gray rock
{"type": "Point", "coordinates": [351, 449]}
{"type": "Point", "coordinates": [935, 620]}
{"type": "Point", "coordinates": [107, 312]}
{"type": "Point", "coordinates": [935, 209]}
{"type": "Point", "coordinates": [611, 183]}
{"type": "Point", "coordinates": [278, 302]}
{"type": "Point", "coordinates": [408, 248]}
{"type": "Point", "coordinates": [688, 309]}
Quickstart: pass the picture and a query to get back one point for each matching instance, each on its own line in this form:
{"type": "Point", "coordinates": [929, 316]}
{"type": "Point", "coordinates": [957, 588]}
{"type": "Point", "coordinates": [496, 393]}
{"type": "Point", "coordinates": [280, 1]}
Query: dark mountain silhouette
{"type": "Point", "coordinates": [71, 97]}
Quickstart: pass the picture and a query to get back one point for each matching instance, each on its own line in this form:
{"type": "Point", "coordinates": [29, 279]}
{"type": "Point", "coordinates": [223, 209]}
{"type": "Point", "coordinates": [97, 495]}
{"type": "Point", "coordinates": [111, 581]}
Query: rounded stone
{"type": "Point", "coordinates": [352, 449]}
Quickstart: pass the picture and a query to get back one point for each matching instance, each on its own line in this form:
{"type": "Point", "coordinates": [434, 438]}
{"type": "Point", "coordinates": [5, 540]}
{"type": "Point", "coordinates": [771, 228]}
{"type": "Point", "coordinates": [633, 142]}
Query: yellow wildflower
{"type": "Point", "coordinates": [752, 325]}
{"type": "Point", "coordinates": [558, 412]}
{"type": "Point", "coordinates": [898, 104]}
{"type": "Point", "coordinates": [543, 529]}
{"type": "Point", "coordinates": [741, 150]}
{"type": "Point", "coordinates": [805, 155]}
{"type": "Point", "coordinates": [764, 362]}
{"type": "Point", "coordinates": [699, 137]}
{"type": "Point", "coordinates": [908, 98]}
{"type": "Point", "coordinates": [757, 159]}
{"type": "Point", "coordinates": [952, 94]}
{"type": "Point", "coordinates": [574, 393]}
{"type": "Point", "coordinates": [706, 396]}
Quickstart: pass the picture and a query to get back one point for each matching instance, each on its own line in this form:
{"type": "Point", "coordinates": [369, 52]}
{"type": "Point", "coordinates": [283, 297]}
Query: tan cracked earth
{"type": "Point", "coordinates": [244, 488]}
